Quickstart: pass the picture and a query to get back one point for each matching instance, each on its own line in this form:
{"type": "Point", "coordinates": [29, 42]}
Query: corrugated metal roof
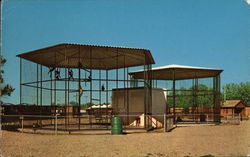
{"type": "Point", "coordinates": [180, 72]}
{"type": "Point", "coordinates": [103, 57]}
{"type": "Point", "coordinates": [175, 66]}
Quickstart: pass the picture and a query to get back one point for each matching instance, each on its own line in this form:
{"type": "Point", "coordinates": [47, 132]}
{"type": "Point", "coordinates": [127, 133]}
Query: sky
{"type": "Point", "coordinates": [206, 33]}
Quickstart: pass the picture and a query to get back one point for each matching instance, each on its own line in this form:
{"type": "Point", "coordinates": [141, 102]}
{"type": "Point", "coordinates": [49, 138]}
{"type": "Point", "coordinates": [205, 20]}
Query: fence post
{"type": "Point", "coordinates": [164, 116]}
{"type": "Point", "coordinates": [239, 118]}
{"type": "Point", "coordinates": [22, 122]}
{"type": "Point", "coordinates": [56, 125]}
{"type": "Point", "coordinates": [207, 118]}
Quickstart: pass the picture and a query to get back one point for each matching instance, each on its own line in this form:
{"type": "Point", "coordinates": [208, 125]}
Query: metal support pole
{"type": "Point", "coordinates": [65, 96]}
{"type": "Point", "coordinates": [195, 98]}
{"type": "Point", "coordinates": [106, 96]}
{"type": "Point", "coordinates": [41, 92]}
{"type": "Point", "coordinates": [68, 90]}
{"type": "Point", "coordinates": [207, 118]}
{"type": "Point", "coordinates": [164, 116]}
{"type": "Point", "coordinates": [37, 75]}
{"type": "Point", "coordinates": [79, 95]}
{"type": "Point", "coordinates": [145, 99]}
{"type": "Point", "coordinates": [37, 88]}
{"type": "Point", "coordinates": [51, 97]}
{"type": "Point", "coordinates": [54, 88]}
{"type": "Point", "coordinates": [20, 81]}
{"type": "Point", "coordinates": [127, 94]}
{"type": "Point", "coordinates": [66, 77]}
{"type": "Point", "coordinates": [100, 89]}
{"type": "Point", "coordinates": [174, 95]}
{"type": "Point", "coordinates": [56, 124]}
{"type": "Point", "coordinates": [22, 122]}
{"type": "Point", "coordinates": [116, 68]}
{"type": "Point", "coordinates": [91, 77]}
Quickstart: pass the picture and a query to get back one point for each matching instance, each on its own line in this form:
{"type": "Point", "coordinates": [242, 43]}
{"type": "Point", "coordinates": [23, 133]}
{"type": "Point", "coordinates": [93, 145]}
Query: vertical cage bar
{"type": "Point", "coordinates": [107, 86]}
{"type": "Point", "coordinates": [55, 83]}
{"type": "Point", "coordinates": [145, 98]}
{"type": "Point", "coordinates": [68, 88]}
{"type": "Point", "coordinates": [79, 87]}
{"type": "Point", "coordinates": [51, 90]}
{"type": "Point", "coordinates": [41, 85]}
{"type": "Point", "coordinates": [100, 89]}
{"type": "Point", "coordinates": [37, 89]}
{"type": "Point", "coordinates": [117, 68]}
{"type": "Point", "coordinates": [41, 96]}
{"type": "Point", "coordinates": [90, 83]}
{"type": "Point", "coordinates": [21, 70]}
{"type": "Point", "coordinates": [174, 95]}
{"type": "Point", "coordinates": [65, 95]}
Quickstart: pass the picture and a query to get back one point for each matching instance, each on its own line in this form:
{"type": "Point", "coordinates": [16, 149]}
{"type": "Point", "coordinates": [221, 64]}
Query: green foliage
{"type": "Point", "coordinates": [5, 89]}
{"type": "Point", "coordinates": [240, 91]}
{"type": "Point", "coordinates": [185, 97]}
{"type": "Point", "coordinates": [73, 103]}
{"type": "Point", "coordinates": [84, 106]}
{"type": "Point", "coordinates": [87, 105]}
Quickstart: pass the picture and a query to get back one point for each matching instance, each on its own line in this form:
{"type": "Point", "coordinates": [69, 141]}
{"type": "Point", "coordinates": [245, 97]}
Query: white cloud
{"type": "Point", "coordinates": [248, 2]}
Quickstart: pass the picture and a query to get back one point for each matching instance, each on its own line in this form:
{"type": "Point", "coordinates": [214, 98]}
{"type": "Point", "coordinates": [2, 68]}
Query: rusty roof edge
{"type": "Point", "coordinates": [101, 46]}
{"type": "Point", "coordinates": [40, 49]}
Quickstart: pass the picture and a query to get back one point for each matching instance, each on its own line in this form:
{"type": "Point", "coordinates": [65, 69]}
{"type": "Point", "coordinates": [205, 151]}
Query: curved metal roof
{"type": "Point", "coordinates": [89, 56]}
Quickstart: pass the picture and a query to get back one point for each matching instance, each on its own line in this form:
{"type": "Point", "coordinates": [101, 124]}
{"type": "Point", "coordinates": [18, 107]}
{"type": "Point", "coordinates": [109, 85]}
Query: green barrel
{"type": "Point", "coordinates": [116, 124]}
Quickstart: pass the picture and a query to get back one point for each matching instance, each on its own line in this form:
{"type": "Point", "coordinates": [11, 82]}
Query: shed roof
{"type": "Point", "coordinates": [230, 103]}
{"type": "Point", "coordinates": [89, 56]}
{"type": "Point", "coordinates": [179, 72]}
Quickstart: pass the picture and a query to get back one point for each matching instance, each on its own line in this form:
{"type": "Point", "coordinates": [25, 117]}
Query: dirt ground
{"type": "Point", "coordinates": [220, 140]}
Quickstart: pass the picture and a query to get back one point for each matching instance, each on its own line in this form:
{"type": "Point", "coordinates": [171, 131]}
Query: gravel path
{"type": "Point", "coordinates": [222, 140]}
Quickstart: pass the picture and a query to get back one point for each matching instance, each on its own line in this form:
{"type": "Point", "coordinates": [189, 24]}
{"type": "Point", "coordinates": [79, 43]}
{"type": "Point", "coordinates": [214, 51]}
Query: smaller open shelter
{"type": "Point", "coordinates": [187, 87]}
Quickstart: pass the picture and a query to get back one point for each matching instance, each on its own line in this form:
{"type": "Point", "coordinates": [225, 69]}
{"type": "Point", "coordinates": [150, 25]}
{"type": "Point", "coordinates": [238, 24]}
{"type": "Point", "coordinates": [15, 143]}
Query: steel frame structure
{"type": "Point", "coordinates": [59, 85]}
{"type": "Point", "coordinates": [190, 81]}
{"type": "Point", "coordinates": [195, 92]}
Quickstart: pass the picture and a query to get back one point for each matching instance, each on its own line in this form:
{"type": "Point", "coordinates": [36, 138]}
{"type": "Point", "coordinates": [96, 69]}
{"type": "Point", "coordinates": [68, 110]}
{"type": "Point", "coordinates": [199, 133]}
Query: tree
{"type": "Point", "coordinates": [240, 91]}
{"type": "Point", "coordinates": [184, 97]}
{"type": "Point", "coordinates": [5, 89]}
{"type": "Point", "coordinates": [86, 105]}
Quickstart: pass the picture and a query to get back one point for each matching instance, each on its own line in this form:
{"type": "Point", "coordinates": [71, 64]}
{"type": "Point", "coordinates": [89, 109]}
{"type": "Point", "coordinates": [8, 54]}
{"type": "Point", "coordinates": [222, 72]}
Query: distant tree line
{"type": "Point", "coordinates": [204, 95]}
{"type": "Point", "coordinates": [239, 91]}
{"type": "Point", "coordinates": [83, 106]}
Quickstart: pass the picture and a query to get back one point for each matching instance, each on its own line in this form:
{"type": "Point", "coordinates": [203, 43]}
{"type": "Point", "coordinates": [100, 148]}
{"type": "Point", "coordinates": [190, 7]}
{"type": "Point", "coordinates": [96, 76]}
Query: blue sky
{"type": "Point", "coordinates": [208, 33]}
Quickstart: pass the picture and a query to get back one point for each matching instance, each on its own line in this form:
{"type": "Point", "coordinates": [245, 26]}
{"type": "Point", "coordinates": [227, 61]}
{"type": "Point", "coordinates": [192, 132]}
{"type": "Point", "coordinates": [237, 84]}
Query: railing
{"type": "Point", "coordinates": [168, 122]}
{"type": "Point", "coordinates": [55, 124]}
{"type": "Point", "coordinates": [231, 118]}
